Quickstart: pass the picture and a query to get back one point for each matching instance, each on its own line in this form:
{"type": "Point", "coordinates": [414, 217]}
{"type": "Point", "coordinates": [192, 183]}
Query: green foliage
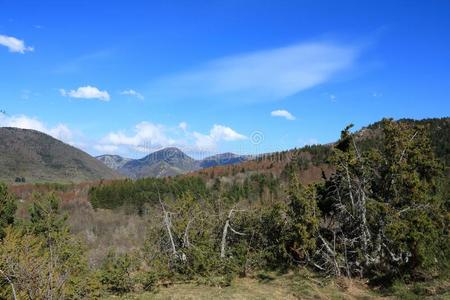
{"type": "Point", "coordinates": [149, 281]}
{"type": "Point", "coordinates": [387, 207]}
{"type": "Point", "coordinates": [7, 208]}
{"type": "Point", "coordinates": [270, 231]}
{"type": "Point", "coordinates": [137, 195]}
{"type": "Point", "coordinates": [45, 218]}
{"type": "Point", "coordinates": [408, 182]}
{"type": "Point", "coordinates": [304, 215]}
{"type": "Point", "coordinates": [115, 273]}
{"type": "Point", "coordinates": [43, 259]}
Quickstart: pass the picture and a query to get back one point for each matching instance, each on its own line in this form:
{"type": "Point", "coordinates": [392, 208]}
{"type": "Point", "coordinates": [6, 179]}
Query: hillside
{"type": "Point", "coordinates": [310, 161]}
{"type": "Point", "coordinates": [34, 156]}
{"type": "Point", "coordinates": [222, 160]}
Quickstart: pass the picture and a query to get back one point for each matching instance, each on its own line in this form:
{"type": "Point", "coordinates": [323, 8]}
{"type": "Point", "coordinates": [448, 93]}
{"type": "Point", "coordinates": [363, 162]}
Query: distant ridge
{"type": "Point", "coordinates": [33, 156]}
{"type": "Point", "coordinates": [223, 159]}
{"type": "Point", "coordinates": [167, 162]}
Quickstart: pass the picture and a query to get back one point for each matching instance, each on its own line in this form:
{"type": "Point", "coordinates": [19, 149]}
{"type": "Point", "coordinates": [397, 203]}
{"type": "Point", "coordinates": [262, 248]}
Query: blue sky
{"type": "Point", "coordinates": [130, 77]}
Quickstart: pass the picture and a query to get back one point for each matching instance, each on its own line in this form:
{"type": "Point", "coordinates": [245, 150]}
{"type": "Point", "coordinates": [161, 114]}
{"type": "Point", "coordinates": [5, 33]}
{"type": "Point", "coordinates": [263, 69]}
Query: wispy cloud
{"type": "Point", "coordinates": [14, 44]}
{"type": "Point", "coordinates": [86, 92]}
{"type": "Point", "coordinates": [133, 93]}
{"type": "Point", "coordinates": [83, 62]}
{"type": "Point", "coordinates": [377, 94]}
{"type": "Point", "coordinates": [264, 75]}
{"type": "Point", "coordinates": [282, 113]}
{"type": "Point", "coordinates": [109, 149]}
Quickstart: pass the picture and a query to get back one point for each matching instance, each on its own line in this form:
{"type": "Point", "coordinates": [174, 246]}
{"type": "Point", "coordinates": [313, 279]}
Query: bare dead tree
{"type": "Point", "coordinates": [168, 225]}
{"type": "Point", "coordinates": [186, 242]}
{"type": "Point", "coordinates": [225, 232]}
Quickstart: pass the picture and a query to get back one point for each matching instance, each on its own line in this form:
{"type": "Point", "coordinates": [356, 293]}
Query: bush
{"type": "Point", "coordinates": [115, 273]}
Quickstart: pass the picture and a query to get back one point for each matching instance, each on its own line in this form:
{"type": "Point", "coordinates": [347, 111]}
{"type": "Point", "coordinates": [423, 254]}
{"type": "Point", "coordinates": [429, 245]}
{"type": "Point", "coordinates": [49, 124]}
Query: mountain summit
{"type": "Point", "coordinates": [166, 162]}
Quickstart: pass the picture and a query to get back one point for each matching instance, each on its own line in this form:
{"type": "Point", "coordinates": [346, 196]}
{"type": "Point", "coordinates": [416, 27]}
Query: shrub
{"type": "Point", "coordinates": [115, 273]}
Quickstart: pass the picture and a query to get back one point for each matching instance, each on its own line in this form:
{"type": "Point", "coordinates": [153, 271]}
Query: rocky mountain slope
{"type": "Point", "coordinates": [114, 162]}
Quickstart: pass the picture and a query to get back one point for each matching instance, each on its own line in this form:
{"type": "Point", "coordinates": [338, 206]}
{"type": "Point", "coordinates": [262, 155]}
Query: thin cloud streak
{"type": "Point", "coordinates": [260, 76]}
{"type": "Point", "coordinates": [133, 93]}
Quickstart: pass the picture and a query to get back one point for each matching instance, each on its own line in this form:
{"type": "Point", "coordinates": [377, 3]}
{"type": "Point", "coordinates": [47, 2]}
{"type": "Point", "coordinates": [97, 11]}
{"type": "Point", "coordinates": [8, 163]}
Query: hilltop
{"type": "Point", "coordinates": [32, 156]}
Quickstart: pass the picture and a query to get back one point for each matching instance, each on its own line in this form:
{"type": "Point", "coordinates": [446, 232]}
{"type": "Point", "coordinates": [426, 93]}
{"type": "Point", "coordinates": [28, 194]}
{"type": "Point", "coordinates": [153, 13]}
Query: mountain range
{"type": "Point", "coordinates": [32, 156]}
{"type": "Point", "coordinates": [167, 162]}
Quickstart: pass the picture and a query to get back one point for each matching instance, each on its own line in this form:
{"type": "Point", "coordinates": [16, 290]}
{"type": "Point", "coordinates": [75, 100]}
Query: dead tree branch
{"type": "Point", "coordinates": [10, 283]}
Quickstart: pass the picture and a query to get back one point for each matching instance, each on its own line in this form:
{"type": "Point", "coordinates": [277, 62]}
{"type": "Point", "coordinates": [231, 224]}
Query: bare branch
{"type": "Point", "coordinates": [225, 232]}
{"type": "Point", "coordinates": [10, 283]}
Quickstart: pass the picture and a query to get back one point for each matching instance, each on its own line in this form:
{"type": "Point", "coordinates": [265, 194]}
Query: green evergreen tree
{"type": "Point", "coordinates": [304, 217]}
{"type": "Point", "coordinates": [7, 208]}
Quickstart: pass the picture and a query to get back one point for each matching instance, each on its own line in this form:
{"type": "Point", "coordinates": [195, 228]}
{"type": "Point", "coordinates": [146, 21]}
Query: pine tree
{"type": "Point", "coordinates": [304, 218]}
{"type": "Point", "coordinates": [7, 208]}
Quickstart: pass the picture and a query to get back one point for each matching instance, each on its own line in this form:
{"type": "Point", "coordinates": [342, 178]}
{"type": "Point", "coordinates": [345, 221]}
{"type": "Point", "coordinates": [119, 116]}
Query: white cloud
{"type": "Point", "coordinates": [282, 113]}
{"type": "Point", "coordinates": [147, 137]}
{"type": "Point", "coordinates": [204, 142]}
{"type": "Point", "coordinates": [14, 44]}
{"type": "Point", "coordinates": [183, 126]}
{"type": "Point", "coordinates": [263, 75]}
{"type": "Point", "coordinates": [86, 92]}
{"type": "Point", "coordinates": [217, 134]}
{"type": "Point", "coordinates": [60, 131]}
{"type": "Point", "coordinates": [220, 132]}
{"type": "Point", "coordinates": [106, 148]}
{"type": "Point", "coordinates": [133, 93]}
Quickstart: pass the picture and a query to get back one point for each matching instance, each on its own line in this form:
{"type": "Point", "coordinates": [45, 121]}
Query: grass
{"type": "Point", "coordinates": [265, 286]}
{"type": "Point", "coordinates": [438, 289]}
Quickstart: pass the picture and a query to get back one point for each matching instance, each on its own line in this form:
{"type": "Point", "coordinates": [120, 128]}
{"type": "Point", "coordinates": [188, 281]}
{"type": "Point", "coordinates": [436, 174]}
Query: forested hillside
{"type": "Point", "coordinates": [309, 161]}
